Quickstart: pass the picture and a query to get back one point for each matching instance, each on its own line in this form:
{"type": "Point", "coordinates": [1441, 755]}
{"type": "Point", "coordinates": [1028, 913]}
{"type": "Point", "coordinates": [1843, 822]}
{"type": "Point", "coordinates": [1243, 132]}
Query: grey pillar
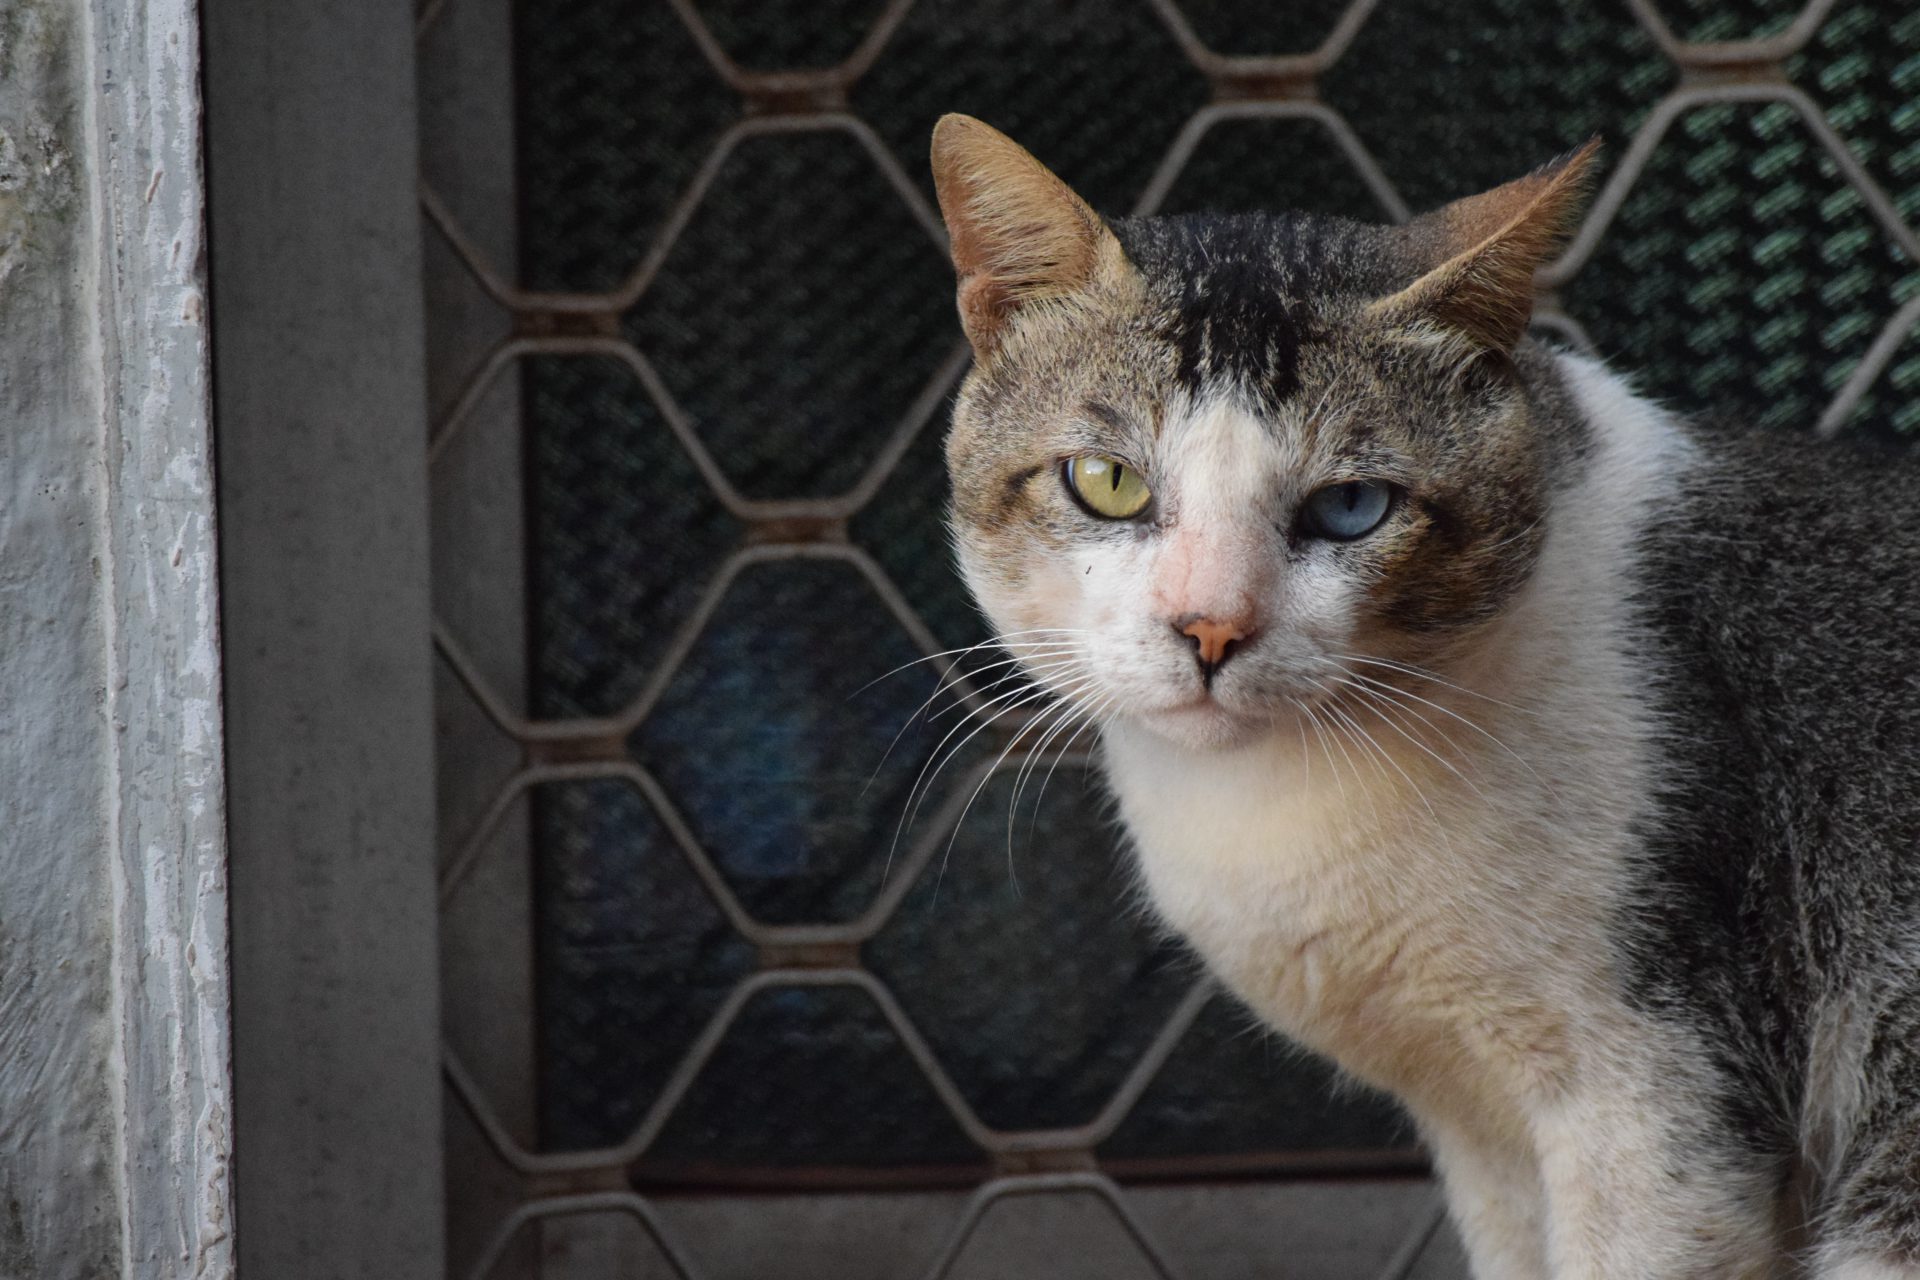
{"type": "Point", "coordinates": [321, 423]}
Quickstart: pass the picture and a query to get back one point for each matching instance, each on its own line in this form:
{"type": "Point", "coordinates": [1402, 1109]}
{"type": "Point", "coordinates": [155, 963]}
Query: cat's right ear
{"type": "Point", "coordinates": [1019, 236]}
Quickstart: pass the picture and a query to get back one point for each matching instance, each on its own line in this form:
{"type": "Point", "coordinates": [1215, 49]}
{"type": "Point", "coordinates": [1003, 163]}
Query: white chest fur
{"type": "Point", "coordinates": [1407, 927]}
{"type": "Point", "coordinates": [1439, 927]}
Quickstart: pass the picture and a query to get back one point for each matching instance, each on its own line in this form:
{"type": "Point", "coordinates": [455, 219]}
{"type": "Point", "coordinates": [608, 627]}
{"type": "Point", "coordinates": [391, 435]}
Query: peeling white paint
{"type": "Point", "coordinates": [163, 607]}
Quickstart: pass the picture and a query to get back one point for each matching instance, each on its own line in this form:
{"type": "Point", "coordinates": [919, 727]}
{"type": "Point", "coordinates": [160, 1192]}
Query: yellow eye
{"type": "Point", "coordinates": [1107, 487]}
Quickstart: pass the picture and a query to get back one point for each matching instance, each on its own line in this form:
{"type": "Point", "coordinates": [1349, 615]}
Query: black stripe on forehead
{"type": "Point", "coordinates": [1234, 292]}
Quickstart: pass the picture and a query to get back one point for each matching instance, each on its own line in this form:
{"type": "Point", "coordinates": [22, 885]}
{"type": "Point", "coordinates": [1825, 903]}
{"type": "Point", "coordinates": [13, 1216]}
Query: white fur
{"type": "Point", "coordinates": [1836, 1082]}
{"type": "Point", "coordinates": [1432, 919]}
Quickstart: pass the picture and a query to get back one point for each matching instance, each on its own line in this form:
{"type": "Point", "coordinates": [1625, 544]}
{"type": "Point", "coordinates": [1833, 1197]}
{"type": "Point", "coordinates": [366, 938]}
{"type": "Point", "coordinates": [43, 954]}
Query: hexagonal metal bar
{"type": "Point", "coordinates": [1275, 66]}
{"type": "Point", "coordinates": [1098, 1185]}
{"type": "Point", "coordinates": [1203, 120]}
{"type": "Point", "coordinates": [758, 83]}
{"type": "Point", "coordinates": [515, 298]}
{"type": "Point", "coordinates": [684, 1075]}
{"type": "Point", "coordinates": [839, 507]}
{"type": "Point", "coordinates": [1729, 53]}
{"type": "Point", "coordinates": [998, 1142]}
{"type": "Point", "coordinates": [933, 395]}
{"type": "Point", "coordinates": [1142, 1073]}
{"type": "Point", "coordinates": [621, 1202]}
{"type": "Point", "coordinates": [462, 863]}
{"type": "Point", "coordinates": [473, 1099]}
{"type": "Point", "coordinates": [932, 398]}
{"type": "Point", "coordinates": [1684, 99]}
{"type": "Point", "coordinates": [585, 346]}
{"type": "Point", "coordinates": [466, 857]}
{"type": "Point", "coordinates": [526, 729]}
{"type": "Point", "coordinates": [1888, 341]}
{"type": "Point", "coordinates": [776, 553]}
{"type": "Point", "coordinates": [1549, 315]}
{"type": "Point", "coordinates": [521, 729]}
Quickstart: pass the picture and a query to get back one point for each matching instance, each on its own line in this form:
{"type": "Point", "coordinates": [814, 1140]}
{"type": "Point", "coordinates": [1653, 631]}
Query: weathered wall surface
{"type": "Point", "coordinates": [59, 1197]}
{"type": "Point", "coordinates": [113, 1005]}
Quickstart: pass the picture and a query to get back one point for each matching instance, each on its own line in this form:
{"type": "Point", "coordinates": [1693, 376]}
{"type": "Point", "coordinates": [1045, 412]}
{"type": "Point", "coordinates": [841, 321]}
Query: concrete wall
{"type": "Point", "coordinates": [114, 1111]}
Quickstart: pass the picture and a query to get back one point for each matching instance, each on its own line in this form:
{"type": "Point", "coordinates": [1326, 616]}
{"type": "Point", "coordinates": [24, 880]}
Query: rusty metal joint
{"type": "Point", "coordinates": [1705, 75]}
{"type": "Point", "coordinates": [547, 1183]}
{"type": "Point", "coordinates": [797, 530]}
{"type": "Point", "coordinates": [1023, 1163]}
{"type": "Point", "coordinates": [530, 322]}
{"type": "Point", "coordinates": [1264, 84]}
{"type": "Point", "coordinates": [829, 953]}
{"type": "Point", "coordinates": [794, 96]}
{"type": "Point", "coordinates": [584, 749]}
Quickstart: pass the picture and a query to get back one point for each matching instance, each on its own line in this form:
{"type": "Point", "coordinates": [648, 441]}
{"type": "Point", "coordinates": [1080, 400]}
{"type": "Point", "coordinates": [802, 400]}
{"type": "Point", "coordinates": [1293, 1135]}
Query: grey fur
{"type": "Point", "coordinates": [1781, 876]}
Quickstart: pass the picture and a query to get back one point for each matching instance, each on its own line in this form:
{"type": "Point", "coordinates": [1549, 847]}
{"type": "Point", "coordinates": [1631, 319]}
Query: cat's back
{"type": "Point", "coordinates": [1784, 587]}
{"type": "Point", "coordinates": [1781, 599]}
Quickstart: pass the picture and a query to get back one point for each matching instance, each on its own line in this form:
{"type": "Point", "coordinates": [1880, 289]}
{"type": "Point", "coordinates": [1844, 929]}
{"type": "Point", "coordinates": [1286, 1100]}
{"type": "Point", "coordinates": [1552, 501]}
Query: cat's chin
{"type": "Point", "coordinates": [1205, 724]}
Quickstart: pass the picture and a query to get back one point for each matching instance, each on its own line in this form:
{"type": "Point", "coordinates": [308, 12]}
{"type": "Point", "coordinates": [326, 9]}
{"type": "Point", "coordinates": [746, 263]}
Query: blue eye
{"type": "Point", "coordinates": [1346, 511]}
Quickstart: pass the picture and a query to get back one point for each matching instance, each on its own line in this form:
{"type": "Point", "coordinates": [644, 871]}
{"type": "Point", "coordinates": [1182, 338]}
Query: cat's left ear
{"type": "Point", "coordinates": [1484, 250]}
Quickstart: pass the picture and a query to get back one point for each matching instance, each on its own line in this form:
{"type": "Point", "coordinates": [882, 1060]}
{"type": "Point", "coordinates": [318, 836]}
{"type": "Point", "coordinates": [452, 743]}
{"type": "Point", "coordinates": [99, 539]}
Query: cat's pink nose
{"type": "Point", "coordinates": [1213, 640]}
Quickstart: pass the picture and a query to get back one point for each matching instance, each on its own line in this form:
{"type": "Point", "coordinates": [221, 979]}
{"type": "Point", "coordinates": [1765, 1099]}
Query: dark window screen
{"type": "Point", "coordinates": [797, 318]}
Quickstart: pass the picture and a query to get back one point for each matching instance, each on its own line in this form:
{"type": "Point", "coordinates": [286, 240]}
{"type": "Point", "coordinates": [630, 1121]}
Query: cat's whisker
{"type": "Point", "coordinates": [1423, 673]}
{"type": "Point", "coordinates": [1060, 667]}
{"type": "Point", "coordinates": [1515, 537]}
{"type": "Point", "coordinates": [1367, 742]}
{"type": "Point", "coordinates": [1335, 419]}
{"type": "Point", "coordinates": [1346, 728]}
{"type": "Point", "coordinates": [1440, 828]}
{"type": "Point", "coordinates": [1306, 758]}
{"type": "Point", "coordinates": [1068, 711]}
{"type": "Point", "coordinates": [1084, 714]}
{"type": "Point", "coordinates": [1059, 713]}
{"type": "Point", "coordinates": [1447, 711]}
{"type": "Point", "coordinates": [1050, 663]}
{"type": "Point", "coordinates": [1381, 702]}
{"type": "Point", "coordinates": [1313, 414]}
{"type": "Point", "coordinates": [956, 655]}
{"type": "Point", "coordinates": [989, 713]}
{"type": "Point", "coordinates": [1361, 757]}
{"type": "Point", "coordinates": [1091, 720]}
{"type": "Point", "coordinates": [967, 808]}
{"type": "Point", "coordinates": [1320, 733]}
{"type": "Point", "coordinates": [952, 680]}
{"type": "Point", "coordinates": [916, 795]}
{"type": "Point", "coordinates": [1392, 759]}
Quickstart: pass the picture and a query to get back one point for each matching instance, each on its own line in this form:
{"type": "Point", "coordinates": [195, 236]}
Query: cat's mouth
{"type": "Point", "coordinates": [1204, 719]}
{"type": "Point", "coordinates": [1217, 715]}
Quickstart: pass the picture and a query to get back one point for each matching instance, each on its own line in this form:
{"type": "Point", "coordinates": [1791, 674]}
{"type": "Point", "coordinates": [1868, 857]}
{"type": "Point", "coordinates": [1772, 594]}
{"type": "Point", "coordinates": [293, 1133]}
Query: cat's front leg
{"type": "Point", "coordinates": [1497, 1204]}
{"type": "Point", "coordinates": [1626, 1196]}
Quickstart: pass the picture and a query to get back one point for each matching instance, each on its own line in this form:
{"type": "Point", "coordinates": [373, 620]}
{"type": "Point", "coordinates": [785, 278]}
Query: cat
{"type": "Point", "coordinates": [1545, 759]}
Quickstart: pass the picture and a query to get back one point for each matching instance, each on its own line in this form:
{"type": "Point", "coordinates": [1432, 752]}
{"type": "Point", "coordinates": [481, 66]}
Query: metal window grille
{"type": "Point", "coordinates": [692, 349]}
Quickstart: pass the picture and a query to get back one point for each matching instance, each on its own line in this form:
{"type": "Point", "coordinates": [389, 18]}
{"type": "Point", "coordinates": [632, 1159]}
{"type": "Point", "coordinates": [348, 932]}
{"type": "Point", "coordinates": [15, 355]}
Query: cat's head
{"type": "Point", "coordinates": [1203, 467]}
